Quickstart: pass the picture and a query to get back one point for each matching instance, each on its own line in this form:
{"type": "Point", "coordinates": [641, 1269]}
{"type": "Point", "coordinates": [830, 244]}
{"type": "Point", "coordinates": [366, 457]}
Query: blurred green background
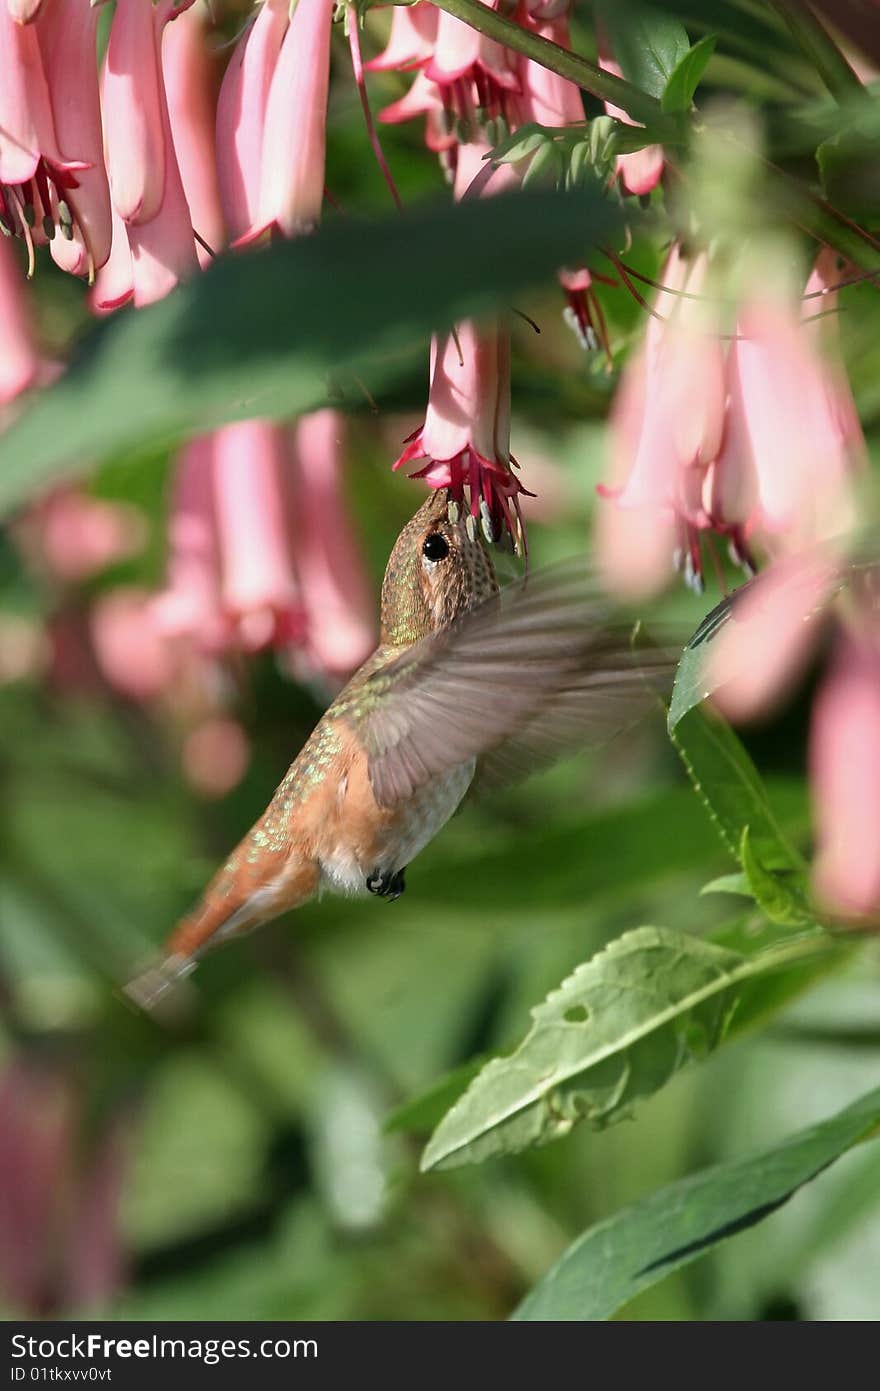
{"type": "Point", "coordinates": [234, 1162]}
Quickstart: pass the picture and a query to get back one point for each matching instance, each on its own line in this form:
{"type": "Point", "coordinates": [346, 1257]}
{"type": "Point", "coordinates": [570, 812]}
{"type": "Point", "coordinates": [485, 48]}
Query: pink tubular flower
{"type": "Point", "coordinates": [411, 40]}
{"type": "Point", "coordinates": [583, 312]}
{"type": "Point", "coordinates": [132, 102]}
{"type": "Point", "coordinates": [641, 170]}
{"type": "Point", "coordinates": [666, 429]}
{"type": "Point", "coordinates": [34, 176]}
{"type": "Point", "coordinates": [765, 443]}
{"type": "Point", "coordinates": [476, 176]}
{"type": "Point", "coordinates": [823, 329]}
{"type": "Point", "coordinates": [336, 594]}
{"type": "Point", "coordinates": [241, 116]}
{"type": "Point", "coordinates": [793, 436]}
{"type": "Point", "coordinates": [25, 113]}
{"type": "Point", "coordinates": [464, 82]}
{"type": "Point", "coordinates": [771, 634]}
{"type": "Point", "coordinates": [549, 99]}
{"type": "Point", "coordinates": [189, 88]}
{"type": "Point", "coordinates": [633, 545]}
{"type": "Point", "coordinates": [251, 467]}
{"type": "Point", "coordinates": [20, 363]}
{"type": "Point", "coordinates": [149, 203]}
{"type": "Point", "coordinates": [114, 283]}
{"type": "Point", "coordinates": [465, 439]}
{"type": "Point", "coordinates": [190, 606]}
{"type": "Point", "coordinates": [471, 70]}
{"type": "Point", "coordinates": [424, 99]}
{"type": "Point", "coordinates": [163, 250]}
{"type": "Point", "coordinates": [294, 138]}
{"type": "Point", "coordinates": [153, 247]}
{"type": "Point", "coordinates": [845, 772]}
{"type": "Point", "coordinates": [260, 551]}
{"type": "Point", "coordinates": [66, 34]}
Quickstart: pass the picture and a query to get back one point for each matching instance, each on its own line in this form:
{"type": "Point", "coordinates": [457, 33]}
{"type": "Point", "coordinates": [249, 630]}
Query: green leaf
{"type": "Point", "coordinates": [763, 996]}
{"type": "Point", "coordinates": [545, 166]}
{"type": "Point", "coordinates": [521, 142]}
{"type": "Point", "coordinates": [423, 1112]}
{"type": "Point", "coordinates": [648, 44]}
{"type": "Point", "coordinates": [849, 166]}
{"type": "Point", "coordinates": [687, 74]}
{"type": "Point", "coordinates": [780, 895]}
{"type": "Point", "coordinates": [626, 140]}
{"type": "Point", "coordinates": [609, 1264]}
{"type": "Point", "coordinates": [735, 883]}
{"type": "Point", "coordinates": [730, 787]}
{"type": "Point", "coordinates": [261, 333]}
{"type": "Point", "coordinates": [614, 1032]}
{"type": "Point", "coordinates": [693, 683]}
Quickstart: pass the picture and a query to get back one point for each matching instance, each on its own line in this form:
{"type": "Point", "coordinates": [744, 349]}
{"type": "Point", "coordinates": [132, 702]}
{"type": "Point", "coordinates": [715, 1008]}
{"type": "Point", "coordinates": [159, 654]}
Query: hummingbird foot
{"type": "Point", "coordinates": [386, 884]}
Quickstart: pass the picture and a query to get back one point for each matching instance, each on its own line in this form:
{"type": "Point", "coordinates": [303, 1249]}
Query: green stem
{"type": "Point", "coordinates": [817, 45]}
{"type": "Point", "coordinates": [589, 76]}
{"type": "Point", "coordinates": [824, 222]}
{"type": "Point", "coordinates": [814, 215]}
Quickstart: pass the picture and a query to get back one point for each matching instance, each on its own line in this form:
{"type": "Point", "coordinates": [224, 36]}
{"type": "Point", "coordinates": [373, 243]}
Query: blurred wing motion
{"type": "Point", "coordinates": [534, 672]}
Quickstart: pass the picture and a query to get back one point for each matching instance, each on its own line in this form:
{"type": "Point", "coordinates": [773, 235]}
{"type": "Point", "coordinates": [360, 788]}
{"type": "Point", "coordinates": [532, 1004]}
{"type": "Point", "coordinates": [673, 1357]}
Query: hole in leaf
{"type": "Point", "coordinates": [576, 1015]}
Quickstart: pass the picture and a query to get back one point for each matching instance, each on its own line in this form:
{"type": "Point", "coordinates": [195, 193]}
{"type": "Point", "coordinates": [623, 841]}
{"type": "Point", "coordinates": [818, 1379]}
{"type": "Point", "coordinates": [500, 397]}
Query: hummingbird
{"type": "Point", "coordinates": [471, 684]}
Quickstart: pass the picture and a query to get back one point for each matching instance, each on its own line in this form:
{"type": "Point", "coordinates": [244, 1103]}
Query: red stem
{"type": "Point", "coordinates": [357, 65]}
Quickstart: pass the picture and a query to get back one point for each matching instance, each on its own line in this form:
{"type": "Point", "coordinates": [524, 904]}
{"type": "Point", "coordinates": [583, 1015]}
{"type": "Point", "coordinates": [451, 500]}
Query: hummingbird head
{"type": "Point", "coordinates": [435, 572]}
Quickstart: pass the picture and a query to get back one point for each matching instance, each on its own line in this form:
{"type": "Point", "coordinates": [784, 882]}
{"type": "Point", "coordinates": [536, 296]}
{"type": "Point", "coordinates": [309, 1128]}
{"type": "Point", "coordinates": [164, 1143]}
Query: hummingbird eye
{"type": "Point", "coordinates": [435, 546]}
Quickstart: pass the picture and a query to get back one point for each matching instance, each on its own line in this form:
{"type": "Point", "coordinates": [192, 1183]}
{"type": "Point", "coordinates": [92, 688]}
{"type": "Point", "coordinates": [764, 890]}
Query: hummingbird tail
{"type": "Point", "coordinates": [164, 976]}
{"type": "Point", "coordinates": [233, 904]}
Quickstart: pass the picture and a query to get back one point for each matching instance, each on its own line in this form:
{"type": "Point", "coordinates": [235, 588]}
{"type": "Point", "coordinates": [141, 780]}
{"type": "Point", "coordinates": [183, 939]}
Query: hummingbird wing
{"type": "Point", "coordinates": [541, 668]}
{"type": "Point", "coordinates": [604, 704]}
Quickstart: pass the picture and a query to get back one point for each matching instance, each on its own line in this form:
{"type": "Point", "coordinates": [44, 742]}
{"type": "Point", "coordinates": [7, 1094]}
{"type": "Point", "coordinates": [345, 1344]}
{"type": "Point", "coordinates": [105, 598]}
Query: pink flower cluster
{"type": "Point", "coordinates": [753, 439]}
{"type": "Point", "coordinates": [261, 554]}
{"type": "Point", "coordinates": [757, 440]}
{"type": "Point", "coordinates": [53, 182]}
{"type": "Point", "coordinates": [136, 174]}
{"type": "Point", "coordinates": [470, 88]}
{"type": "Point", "coordinates": [260, 550]}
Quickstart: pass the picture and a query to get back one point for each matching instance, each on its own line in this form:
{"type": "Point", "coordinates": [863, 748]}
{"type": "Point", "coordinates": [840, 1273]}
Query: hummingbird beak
{"type": "Point", "coordinates": [435, 508]}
